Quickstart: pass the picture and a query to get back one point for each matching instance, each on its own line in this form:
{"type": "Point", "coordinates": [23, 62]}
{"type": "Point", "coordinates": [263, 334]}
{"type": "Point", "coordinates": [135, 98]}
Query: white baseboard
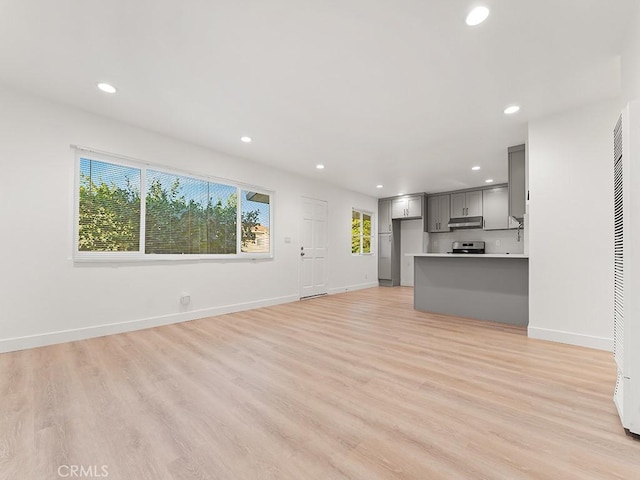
{"type": "Point", "coordinates": [351, 288]}
{"type": "Point", "coordinates": [599, 343]}
{"type": "Point", "coordinates": [51, 338]}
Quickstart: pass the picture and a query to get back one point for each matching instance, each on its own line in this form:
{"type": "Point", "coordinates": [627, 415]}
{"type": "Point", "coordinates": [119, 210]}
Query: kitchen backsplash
{"type": "Point", "coordinates": [496, 241]}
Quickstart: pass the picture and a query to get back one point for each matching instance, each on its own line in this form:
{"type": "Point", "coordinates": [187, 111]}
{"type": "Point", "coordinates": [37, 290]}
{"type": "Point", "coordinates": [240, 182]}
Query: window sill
{"type": "Point", "coordinates": [137, 258]}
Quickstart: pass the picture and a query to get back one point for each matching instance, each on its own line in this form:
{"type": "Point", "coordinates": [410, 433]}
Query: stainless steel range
{"type": "Point", "coordinates": [467, 247]}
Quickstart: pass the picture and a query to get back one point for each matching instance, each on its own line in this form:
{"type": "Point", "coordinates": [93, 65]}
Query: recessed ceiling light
{"type": "Point", "coordinates": [511, 110]}
{"type": "Point", "coordinates": [320, 166]}
{"type": "Point", "coordinates": [245, 139]}
{"type": "Point", "coordinates": [477, 16]}
{"type": "Point", "coordinates": [475, 168]}
{"type": "Point", "coordinates": [489, 180]}
{"type": "Point", "coordinates": [378, 186]}
{"type": "Point", "coordinates": [106, 88]}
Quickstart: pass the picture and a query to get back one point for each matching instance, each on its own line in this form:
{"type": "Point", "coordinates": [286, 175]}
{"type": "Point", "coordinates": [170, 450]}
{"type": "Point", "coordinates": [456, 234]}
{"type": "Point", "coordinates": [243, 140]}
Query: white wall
{"type": "Point", "coordinates": [570, 169]}
{"type": "Point", "coordinates": [630, 61]}
{"type": "Point", "coordinates": [571, 226]}
{"type": "Point", "coordinates": [46, 298]}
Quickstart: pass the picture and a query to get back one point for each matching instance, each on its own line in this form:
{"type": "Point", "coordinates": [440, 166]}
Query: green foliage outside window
{"type": "Point", "coordinates": [109, 217]}
{"type": "Point", "coordinates": [360, 232]}
{"type": "Point", "coordinates": [177, 225]}
{"type": "Point", "coordinates": [175, 222]}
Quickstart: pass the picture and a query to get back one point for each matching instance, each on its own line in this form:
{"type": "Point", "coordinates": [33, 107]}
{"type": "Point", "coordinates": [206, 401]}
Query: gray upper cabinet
{"type": "Point", "coordinates": [384, 216]}
{"type": "Point", "coordinates": [438, 213]}
{"type": "Point", "coordinates": [517, 189]}
{"type": "Point", "coordinates": [398, 208]}
{"type": "Point", "coordinates": [474, 203]}
{"type": "Point", "coordinates": [458, 205]}
{"type": "Point", "coordinates": [407, 207]}
{"type": "Point", "coordinates": [414, 206]}
{"type": "Point", "coordinates": [466, 204]}
{"type": "Point", "coordinates": [495, 207]}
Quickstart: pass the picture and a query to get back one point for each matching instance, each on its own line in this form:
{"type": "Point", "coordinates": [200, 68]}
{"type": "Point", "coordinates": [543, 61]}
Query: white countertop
{"type": "Point", "coordinates": [469, 255]}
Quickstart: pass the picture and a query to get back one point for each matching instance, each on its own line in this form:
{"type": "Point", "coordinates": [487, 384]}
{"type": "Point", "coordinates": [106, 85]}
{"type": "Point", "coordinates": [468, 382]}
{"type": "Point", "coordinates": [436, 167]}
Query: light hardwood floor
{"type": "Point", "coordinates": [354, 386]}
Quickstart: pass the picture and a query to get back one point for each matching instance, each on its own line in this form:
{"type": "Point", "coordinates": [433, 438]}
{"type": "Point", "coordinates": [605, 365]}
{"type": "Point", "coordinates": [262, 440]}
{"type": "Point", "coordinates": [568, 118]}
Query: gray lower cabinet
{"type": "Point", "coordinates": [466, 204]}
{"type": "Point", "coordinates": [517, 187]}
{"type": "Point", "coordinates": [389, 259]}
{"type": "Point", "coordinates": [438, 208]}
{"type": "Point", "coordinates": [384, 256]}
{"type": "Point", "coordinates": [480, 286]}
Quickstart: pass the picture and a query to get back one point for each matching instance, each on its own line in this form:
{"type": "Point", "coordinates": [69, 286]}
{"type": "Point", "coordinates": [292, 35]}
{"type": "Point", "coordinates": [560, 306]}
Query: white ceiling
{"type": "Point", "coordinates": [397, 92]}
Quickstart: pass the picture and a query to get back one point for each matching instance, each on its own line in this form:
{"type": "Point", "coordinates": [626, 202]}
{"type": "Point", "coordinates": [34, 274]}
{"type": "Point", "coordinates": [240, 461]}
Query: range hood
{"type": "Point", "coordinates": [465, 222]}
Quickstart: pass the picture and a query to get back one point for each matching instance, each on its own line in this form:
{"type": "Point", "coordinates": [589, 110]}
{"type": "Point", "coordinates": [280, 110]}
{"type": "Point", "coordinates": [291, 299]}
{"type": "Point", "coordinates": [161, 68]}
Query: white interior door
{"type": "Point", "coordinates": [313, 250]}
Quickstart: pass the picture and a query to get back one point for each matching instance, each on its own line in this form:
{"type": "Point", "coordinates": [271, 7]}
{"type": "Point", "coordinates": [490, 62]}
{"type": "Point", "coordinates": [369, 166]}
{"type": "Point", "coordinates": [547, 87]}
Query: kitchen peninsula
{"type": "Point", "coordinates": [484, 286]}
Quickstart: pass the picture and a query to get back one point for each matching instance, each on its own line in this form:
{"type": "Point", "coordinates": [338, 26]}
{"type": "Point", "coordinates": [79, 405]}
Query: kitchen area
{"type": "Point", "coordinates": [464, 251]}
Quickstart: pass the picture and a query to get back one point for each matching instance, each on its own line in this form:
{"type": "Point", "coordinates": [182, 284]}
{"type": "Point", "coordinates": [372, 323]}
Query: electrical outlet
{"type": "Point", "coordinates": [185, 299]}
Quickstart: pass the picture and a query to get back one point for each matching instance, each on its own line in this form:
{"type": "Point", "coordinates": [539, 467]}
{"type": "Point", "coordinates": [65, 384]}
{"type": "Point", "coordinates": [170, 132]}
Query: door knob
{"type": "Point", "coordinates": [302, 254]}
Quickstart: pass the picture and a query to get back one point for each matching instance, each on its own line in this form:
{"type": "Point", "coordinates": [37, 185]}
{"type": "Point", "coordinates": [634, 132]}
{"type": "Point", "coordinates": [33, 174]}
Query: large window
{"type": "Point", "coordinates": [136, 211]}
{"type": "Point", "coordinates": [360, 232]}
